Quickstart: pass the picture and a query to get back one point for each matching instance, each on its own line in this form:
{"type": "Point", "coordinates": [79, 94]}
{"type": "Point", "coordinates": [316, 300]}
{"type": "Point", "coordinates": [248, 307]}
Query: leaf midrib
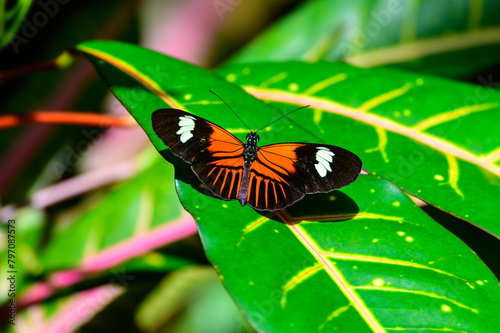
{"type": "Point", "coordinates": [133, 72]}
{"type": "Point", "coordinates": [335, 274]}
{"type": "Point", "coordinates": [278, 95]}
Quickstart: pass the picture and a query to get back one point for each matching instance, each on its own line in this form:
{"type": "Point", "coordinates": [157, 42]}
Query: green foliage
{"type": "Point", "coordinates": [148, 204]}
{"type": "Point", "coordinates": [345, 261]}
{"type": "Point", "coordinates": [362, 259]}
{"type": "Point", "coordinates": [353, 246]}
{"type": "Point", "coordinates": [427, 36]}
{"type": "Point", "coordinates": [11, 20]}
{"type": "Point", "coordinates": [425, 134]}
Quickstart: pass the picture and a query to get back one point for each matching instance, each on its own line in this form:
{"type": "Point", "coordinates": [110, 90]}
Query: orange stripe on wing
{"type": "Point", "coordinates": [211, 171]}
{"type": "Point", "coordinates": [267, 171]}
{"type": "Point", "coordinates": [275, 194]}
{"type": "Point", "coordinates": [223, 143]}
{"type": "Point", "coordinates": [227, 161]}
{"type": "Point", "coordinates": [224, 150]}
{"type": "Point", "coordinates": [284, 194]}
{"type": "Point", "coordinates": [224, 182]}
{"type": "Point", "coordinates": [221, 135]}
{"type": "Point", "coordinates": [215, 181]}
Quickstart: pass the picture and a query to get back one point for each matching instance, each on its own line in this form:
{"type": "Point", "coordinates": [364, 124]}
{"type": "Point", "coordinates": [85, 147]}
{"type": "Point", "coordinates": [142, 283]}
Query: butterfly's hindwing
{"type": "Point", "coordinates": [268, 188]}
{"type": "Point", "coordinates": [222, 177]}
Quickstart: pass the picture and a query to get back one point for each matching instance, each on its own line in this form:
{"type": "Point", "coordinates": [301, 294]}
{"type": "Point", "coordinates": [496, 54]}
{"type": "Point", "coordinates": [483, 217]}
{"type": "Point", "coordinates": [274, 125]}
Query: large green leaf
{"type": "Point", "coordinates": [435, 138]}
{"type": "Point", "coordinates": [453, 38]}
{"type": "Point", "coordinates": [382, 268]}
{"type": "Point", "coordinates": [357, 260]}
{"type": "Point", "coordinates": [145, 81]}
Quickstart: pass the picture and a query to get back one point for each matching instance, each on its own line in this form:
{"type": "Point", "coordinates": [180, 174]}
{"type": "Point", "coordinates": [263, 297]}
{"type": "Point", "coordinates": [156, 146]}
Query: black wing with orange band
{"type": "Point", "coordinates": [284, 173]}
{"type": "Point", "coordinates": [215, 155]}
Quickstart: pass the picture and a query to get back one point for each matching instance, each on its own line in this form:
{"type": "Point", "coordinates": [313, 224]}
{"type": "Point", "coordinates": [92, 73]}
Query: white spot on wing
{"type": "Point", "coordinates": [324, 163]}
{"type": "Point", "coordinates": [324, 157]}
{"type": "Point", "coordinates": [321, 169]}
{"type": "Point", "coordinates": [186, 127]}
{"type": "Point", "coordinates": [325, 153]}
{"type": "Point", "coordinates": [186, 122]}
{"type": "Point", "coordinates": [186, 136]}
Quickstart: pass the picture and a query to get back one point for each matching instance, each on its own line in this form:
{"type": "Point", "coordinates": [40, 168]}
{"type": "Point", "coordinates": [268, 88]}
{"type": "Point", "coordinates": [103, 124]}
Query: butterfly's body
{"type": "Point", "coordinates": [249, 156]}
{"type": "Point", "coordinates": [250, 152]}
{"type": "Point", "coordinates": [267, 177]}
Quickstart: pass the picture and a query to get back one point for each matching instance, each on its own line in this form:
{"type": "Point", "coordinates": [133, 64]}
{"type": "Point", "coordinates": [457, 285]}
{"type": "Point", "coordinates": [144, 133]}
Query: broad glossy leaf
{"type": "Point", "coordinates": [357, 260]}
{"type": "Point", "coordinates": [435, 138]}
{"type": "Point", "coordinates": [448, 38]}
{"type": "Point", "coordinates": [354, 268]}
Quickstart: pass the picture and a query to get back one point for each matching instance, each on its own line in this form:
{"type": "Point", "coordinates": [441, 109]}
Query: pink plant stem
{"type": "Point", "coordinates": [110, 257]}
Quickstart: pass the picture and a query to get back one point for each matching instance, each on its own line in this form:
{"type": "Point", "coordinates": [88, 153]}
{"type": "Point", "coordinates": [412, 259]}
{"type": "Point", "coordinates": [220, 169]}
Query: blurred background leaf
{"type": "Point", "coordinates": [55, 151]}
{"type": "Point", "coordinates": [450, 38]}
{"type": "Point", "coordinates": [11, 19]}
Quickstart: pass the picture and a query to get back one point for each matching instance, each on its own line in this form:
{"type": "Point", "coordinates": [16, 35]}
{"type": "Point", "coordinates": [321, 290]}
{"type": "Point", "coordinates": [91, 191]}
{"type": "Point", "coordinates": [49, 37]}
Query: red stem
{"type": "Point", "coordinates": [38, 67]}
{"type": "Point", "coordinates": [62, 61]}
{"type": "Point", "coordinates": [66, 117]}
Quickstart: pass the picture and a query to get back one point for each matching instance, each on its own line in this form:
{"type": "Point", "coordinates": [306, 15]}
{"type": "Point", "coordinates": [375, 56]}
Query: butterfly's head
{"type": "Point", "coordinates": [252, 138]}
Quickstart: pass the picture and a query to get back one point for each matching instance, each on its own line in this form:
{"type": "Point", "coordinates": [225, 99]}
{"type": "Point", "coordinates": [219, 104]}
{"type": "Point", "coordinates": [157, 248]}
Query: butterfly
{"type": "Point", "coordinates": [269, 177]}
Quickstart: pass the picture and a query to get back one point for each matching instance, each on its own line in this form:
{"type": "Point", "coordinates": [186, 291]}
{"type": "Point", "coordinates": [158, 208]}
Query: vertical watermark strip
{"type": "Point", "coordinates": [11, 271]}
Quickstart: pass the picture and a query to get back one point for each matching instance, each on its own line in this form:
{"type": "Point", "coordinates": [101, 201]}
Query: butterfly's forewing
{"type": "Point", "coordinates": [215, 154]}
{"type": "Point", "coordinates": [299, 168]}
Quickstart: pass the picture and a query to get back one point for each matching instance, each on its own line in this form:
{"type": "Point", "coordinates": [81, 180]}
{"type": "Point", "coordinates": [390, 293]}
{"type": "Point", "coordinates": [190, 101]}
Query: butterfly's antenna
{"type": "Point", "coordinates": [283, 116]}
{"type": "Point", "coordinates": [231, 110]}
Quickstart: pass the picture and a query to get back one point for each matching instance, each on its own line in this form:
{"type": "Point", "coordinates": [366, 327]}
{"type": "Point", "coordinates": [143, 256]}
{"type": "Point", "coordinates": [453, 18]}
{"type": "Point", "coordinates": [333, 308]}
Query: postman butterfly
{"type": "Point", "coordinates": [269, 177]}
